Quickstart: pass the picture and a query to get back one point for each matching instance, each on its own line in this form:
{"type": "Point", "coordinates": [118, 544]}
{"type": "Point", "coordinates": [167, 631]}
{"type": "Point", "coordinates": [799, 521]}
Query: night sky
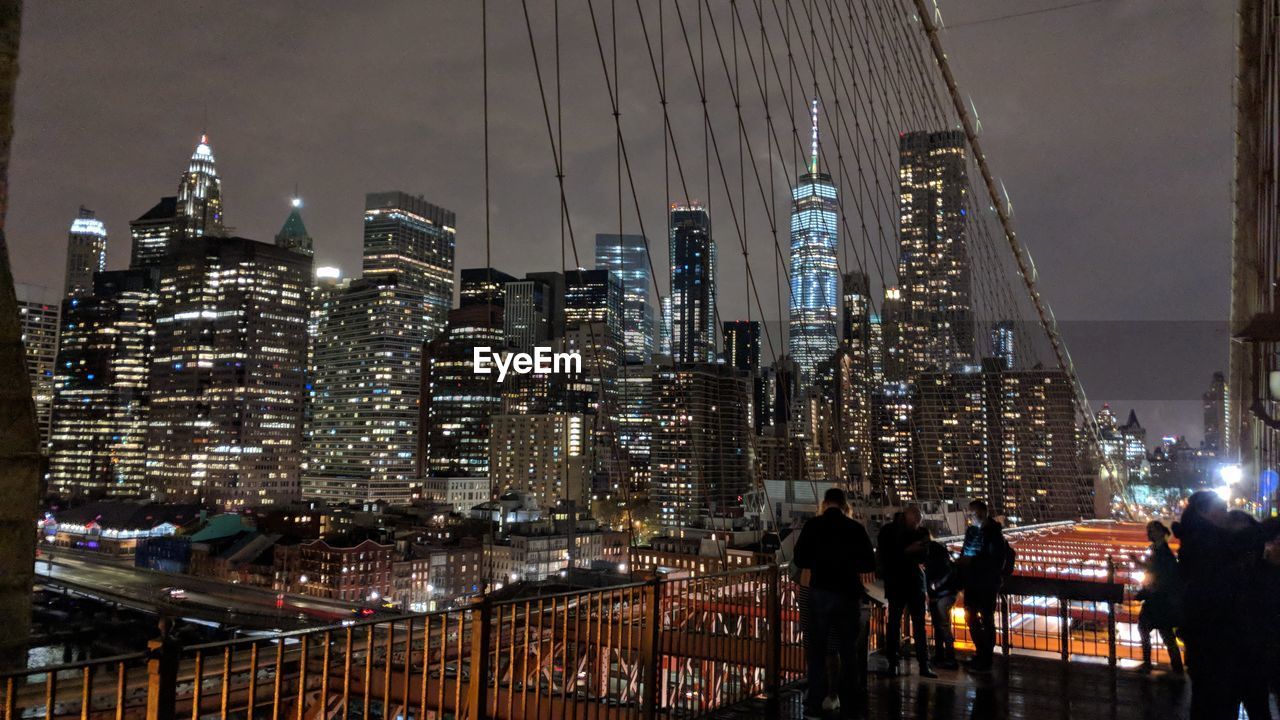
{"type": "Point", "coordinates": [1109, 123]}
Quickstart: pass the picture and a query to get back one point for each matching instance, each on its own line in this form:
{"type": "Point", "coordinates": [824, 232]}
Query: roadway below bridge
{"type": "Point", "coordinates": [205, 600]}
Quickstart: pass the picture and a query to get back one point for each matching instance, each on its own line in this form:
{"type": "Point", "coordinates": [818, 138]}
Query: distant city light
{"type": "Point", "coordinates": [1230, 474]}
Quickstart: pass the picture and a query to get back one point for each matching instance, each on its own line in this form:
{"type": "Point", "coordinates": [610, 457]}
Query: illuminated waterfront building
{"type": "Point", "coordinates": [227, 382]}
{"type": "Point", "coordinates": [98, 443]}
{"type": "Point", "coordinates": [38, 311]}
{"type": "Point", "coordinates": [627, 257]}
{"type": "Point", "coordinates": [86, 252]}
{"type": "Point", "coordinates": [936, 323]}
{"type": "Point", "coordinates": [815, 279]}
{"type": "Point", "coordinates": [692, 313]}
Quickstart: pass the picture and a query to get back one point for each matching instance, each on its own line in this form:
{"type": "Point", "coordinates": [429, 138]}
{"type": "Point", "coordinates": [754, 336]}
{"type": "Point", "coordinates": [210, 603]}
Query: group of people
{"type": "Point", "coordinates": [833, 552]}
{"type": "Point", "coordinates": [1219, 594]}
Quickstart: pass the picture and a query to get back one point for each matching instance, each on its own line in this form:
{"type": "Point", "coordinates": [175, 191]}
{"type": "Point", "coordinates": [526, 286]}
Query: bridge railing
{"type": "Point", "coordinates": [671, 648]}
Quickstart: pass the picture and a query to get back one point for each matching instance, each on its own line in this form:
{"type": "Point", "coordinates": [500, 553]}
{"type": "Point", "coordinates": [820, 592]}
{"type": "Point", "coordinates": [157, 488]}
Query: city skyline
{"type": "Point", "coordinates": [421, 348]}
{"type": "Point", "coordinates": [256, 213]}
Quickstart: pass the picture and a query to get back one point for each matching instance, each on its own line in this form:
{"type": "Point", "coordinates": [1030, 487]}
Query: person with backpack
{"type": "Point", "coordinates": [985, 560]}
{"type": "Point", "coordinates": [944, 587]}
{"type": "Point", "coordinates": [1160, 595]}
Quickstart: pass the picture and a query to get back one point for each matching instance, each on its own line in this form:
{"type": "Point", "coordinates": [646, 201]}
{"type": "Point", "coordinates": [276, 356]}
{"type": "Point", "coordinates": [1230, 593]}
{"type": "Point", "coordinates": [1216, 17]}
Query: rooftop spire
{"type": "Point", "coordinates": [293, 234]}
{"type": "Point", "coordinates": [813, 148]}
{"type": "Point", "coordinates": [200, 194]}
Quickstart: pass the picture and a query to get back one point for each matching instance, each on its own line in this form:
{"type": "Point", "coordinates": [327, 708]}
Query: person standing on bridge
{"type": "Point", "coordinates": [902, 547]}
{"type": "Point", "coordinates": [1161, 597]}
{"type": "Point", "coordinates": [982, 565]}
{"type": "Point", "coordinates": [940, 574]}
{"type": "Point", "coordinates": [835, 550]}
{"type": "Point", "coordinates": [1221, 560]}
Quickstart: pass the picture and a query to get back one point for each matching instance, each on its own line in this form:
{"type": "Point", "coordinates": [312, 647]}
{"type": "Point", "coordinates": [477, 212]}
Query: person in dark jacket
{"type": "Point", "coordinates": [1160, 596]}
{"type": "Point", "coordinates": [835, 550]}
{"type": "Point", "coordinates": [902, 548]}
{"type": "Point", "coordinates": [943, 582]}
{"type": "Point", "coordinates": [981, 564]}
{"type": "Point", "coordinates": [1222, 560]}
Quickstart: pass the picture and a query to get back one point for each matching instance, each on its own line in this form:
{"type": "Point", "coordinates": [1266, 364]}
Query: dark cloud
{"type": "Point", "coordinates": [1110, 125]}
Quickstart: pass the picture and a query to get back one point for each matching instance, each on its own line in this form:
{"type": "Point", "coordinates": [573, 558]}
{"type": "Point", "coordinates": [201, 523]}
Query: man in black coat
{"type": "Point", "coordinates": [902, 548]}
{"type": "Point", "coordinates": [982, 569]}
{"type": "Point", "coordinates": [833, 551]}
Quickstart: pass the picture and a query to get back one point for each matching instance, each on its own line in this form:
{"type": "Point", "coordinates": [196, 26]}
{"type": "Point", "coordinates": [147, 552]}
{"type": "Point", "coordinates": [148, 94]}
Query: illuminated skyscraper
{"type": "Point", "coordinates": [529, 311]}
{"type": "Point", "coordinates": [627, 257]}
{"type": "Point", "coordinates": [86, 252]}
{"type": "Point", "coordinates": [293, 234]}
{"type": "Point", "coordinates": [152, 232]}
{"type": "Point", "coordinates": [892, 406]}
{"type": "Point", "coordinates": [483, 286]}
{"type": "Point", "coordinates": [1216, 418]}
{"type": "Point", "coordinates": [227, 382]}
{"type": "Point", "coordinates": [936, 324]}
{"type": "Point", "coordinates": [365, 432]}
{"type": "Point", "coordinates": [409, 242]}
{"type": "Point", "coordinates": [815, 278]}
{"type": "Point", "coordinates": [857, 315]}
{"type": "Point", "coordinates": [38, 310]}
{"type": "Point", "coordinates": [1002, 343]}
{"type": "Point", "coordinates": [742, 344]}
{"type": "Point", "coordinates": [543, 455]}
{"type": "Point", "coordinates": [457, 402]}
{"type": "Point", "coordinates": [98, 444]}
{"type": "Point", "coordinates": [699, 455]}
{"type": "Point", "coordinates": [199, 203]}
{"type": "Point", "coordinates": [692, 254]}
{"type": "Point", "coordinates": [1035, 468]}
{"type": "Point", "coordinates": [364, 408]}
{"type": "Point", "coordinates": [593, 327]}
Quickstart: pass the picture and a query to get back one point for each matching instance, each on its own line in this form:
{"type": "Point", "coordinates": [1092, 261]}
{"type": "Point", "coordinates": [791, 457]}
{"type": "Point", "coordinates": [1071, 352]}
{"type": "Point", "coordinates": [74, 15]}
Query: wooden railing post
{"type": "Point", "coordinates": [651, 650]}
{"type": "Point", "coordinates": [478, 686]}
{"type": "Point", "coordinates": [773, 643]}
{"type": "Point", "coordinates": [162, 675]}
